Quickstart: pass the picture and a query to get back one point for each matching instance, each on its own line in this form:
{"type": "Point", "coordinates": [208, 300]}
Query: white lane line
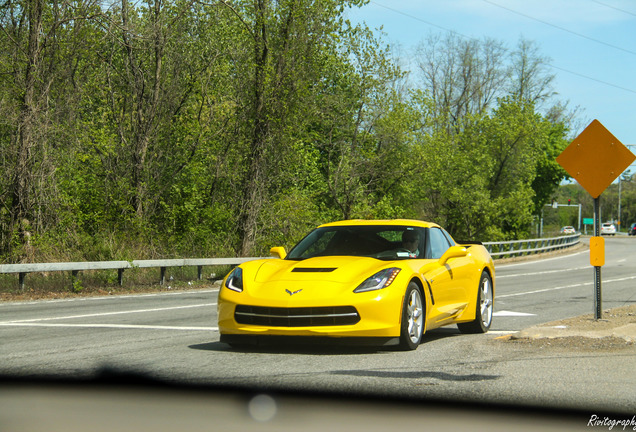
{"type": "Point", "coordinates": [565, 287]}
{"type": "Point", "coordinates": [113, 326]}
{"type": "Point", "coordinates": [540, 261]}
{"type": "Point", "coordinates": [512, 314]}
{"type": "Point", "coordinates": [110, 297]}
{"type": "Point", "coordinates": [544, 290]}
{"type": "Point", "coordinates": [102, 314]}
{"type": "Point", "coordinates": [544, 272]}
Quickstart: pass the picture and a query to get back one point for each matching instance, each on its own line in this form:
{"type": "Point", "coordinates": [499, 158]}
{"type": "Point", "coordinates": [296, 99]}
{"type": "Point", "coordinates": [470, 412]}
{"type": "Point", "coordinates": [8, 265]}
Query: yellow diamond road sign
{"type": "Point", "coordinates": [595, 158]}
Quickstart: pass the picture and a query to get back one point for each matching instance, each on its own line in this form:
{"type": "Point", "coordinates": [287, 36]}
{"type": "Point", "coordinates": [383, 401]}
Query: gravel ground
{"type": "Point", "coordinates": [616, 330]}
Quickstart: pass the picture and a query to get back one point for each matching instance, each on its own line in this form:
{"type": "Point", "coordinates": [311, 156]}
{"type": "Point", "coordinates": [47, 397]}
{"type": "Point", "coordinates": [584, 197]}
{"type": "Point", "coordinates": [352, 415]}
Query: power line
{"type": "Point", "coordinates": [591, 78]}
{"type": "Point", "coordinates": [420, 20]}
{"type": "Point", "coordinates": [560, 28]}
{"type": "Point", "coordinates": [613, 7]}
{"type": "Point", "coordinates": [547, 64]}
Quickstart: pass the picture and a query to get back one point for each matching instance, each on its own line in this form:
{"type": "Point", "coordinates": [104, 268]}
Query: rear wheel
{"type": "Point", "coordinates": [483, 315]}
{"type": "Point", "coordinates": [412, 318]}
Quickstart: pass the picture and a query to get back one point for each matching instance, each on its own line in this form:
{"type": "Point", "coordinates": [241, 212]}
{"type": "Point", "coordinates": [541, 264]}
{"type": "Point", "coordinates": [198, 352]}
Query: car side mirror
{"type": "Point", "coordinates": [453, 252]}
{"type": "Point", "coordinates": [278, 252]}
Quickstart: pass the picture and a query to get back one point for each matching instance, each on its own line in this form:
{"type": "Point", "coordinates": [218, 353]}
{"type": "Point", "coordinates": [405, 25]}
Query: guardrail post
{"type": "Point", "coordinates": [73, 279]}
{"type": "Point", "coordinates": [162, 276]}
{"type": "Point", "coordinates": [199, 272]}
{"type": "Point", "coordinates": [21, 277]}
{"type": "Point", "coordinates": [120, 276]}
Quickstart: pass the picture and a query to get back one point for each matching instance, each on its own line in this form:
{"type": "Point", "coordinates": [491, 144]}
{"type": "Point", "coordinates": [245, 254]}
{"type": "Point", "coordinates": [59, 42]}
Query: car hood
{"type": "Point", "coordinates": [341, 269]}
{"type": "Point", "coordinates": [328, 280]}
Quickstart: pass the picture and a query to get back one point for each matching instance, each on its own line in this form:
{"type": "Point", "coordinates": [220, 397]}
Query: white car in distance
{"type": "Point", "coordinates": [608, 229]}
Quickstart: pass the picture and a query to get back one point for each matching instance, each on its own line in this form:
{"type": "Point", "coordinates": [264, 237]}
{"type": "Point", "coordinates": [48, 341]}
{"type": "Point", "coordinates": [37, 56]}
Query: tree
{"type": "Point", "coordinates": [290, 42]}
{"type": "Point", "coordinates": [530, 79]}
{"type": "Point", "coordinates": [522, 147]}
{"type": "Point", "coordinates": [36, 67]}
{"type": "Point", "coordinates": [224, 127]}
{"type": "Point", "coordinates": [362, 128]}
{"type": "Point", "coordinates": [462, 77]}
{"type": "Point", "coordinates": [485, 126]}
{"type": "Point", "coordinates": [453, 189]}
{"type": "Point", "coordinates": [479, 183]}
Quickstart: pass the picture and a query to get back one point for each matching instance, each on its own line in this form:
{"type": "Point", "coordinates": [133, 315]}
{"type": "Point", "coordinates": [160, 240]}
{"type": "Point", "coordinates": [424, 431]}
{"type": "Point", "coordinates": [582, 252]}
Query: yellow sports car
{"type": "Point", "coordinates": [382, 282]}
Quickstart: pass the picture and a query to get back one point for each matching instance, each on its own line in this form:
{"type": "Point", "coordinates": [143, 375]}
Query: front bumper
{"type": "Point", "coordinates": [374, 314]}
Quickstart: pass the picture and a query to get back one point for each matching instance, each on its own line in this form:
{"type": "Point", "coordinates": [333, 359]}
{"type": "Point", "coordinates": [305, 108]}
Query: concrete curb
{"type": "Point", "coordinates": [625, 332]}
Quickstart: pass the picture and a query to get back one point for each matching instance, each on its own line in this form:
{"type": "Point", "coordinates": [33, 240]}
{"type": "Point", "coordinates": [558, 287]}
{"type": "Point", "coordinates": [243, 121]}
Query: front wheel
{"type": "Point", "coordinates": [412, 318]}
{"type": "Point", "coordinates": [485, 303]}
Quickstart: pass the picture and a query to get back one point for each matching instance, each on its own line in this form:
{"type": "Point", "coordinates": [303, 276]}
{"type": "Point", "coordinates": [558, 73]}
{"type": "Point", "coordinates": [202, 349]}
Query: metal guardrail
{"type": "Point", "coordinates": [531, 246]}
{"type": "Point", "coordinates": [120, 266]}
{"type": "Point", "coordinates": [496, 249]}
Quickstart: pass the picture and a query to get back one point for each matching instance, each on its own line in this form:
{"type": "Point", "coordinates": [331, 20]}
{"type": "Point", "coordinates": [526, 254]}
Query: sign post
{"type": "Point", "coordinates": [597, 250]}
{"type": "Point", "coordinates": [595, 159]}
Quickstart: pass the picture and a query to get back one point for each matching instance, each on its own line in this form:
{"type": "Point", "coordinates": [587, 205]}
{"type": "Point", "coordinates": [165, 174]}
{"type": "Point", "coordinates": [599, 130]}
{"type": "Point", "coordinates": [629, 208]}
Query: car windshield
{"type": "Point", "coordinates": [381, 242]}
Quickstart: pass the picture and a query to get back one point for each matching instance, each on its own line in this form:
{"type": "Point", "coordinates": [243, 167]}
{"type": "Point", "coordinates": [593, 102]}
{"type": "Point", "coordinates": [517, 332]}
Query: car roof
{"type": "Point", "coordinates": [367, 222]}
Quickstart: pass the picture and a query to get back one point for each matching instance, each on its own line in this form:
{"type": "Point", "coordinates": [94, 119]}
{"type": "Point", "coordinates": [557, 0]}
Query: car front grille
{"type": "Point", "coordinates": [296, 317]}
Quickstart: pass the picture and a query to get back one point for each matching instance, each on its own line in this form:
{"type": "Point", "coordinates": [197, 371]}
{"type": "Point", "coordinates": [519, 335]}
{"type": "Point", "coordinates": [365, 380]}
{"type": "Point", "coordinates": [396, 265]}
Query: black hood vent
{"type": "Point", "coordinates": [313, 269]}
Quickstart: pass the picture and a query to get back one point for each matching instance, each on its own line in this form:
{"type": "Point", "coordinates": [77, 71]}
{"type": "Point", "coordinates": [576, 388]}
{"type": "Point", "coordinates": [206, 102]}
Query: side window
{"type": "Point", "coordinates": [448, 236]}
{"type": "Point", "coordinates": [437, 244]}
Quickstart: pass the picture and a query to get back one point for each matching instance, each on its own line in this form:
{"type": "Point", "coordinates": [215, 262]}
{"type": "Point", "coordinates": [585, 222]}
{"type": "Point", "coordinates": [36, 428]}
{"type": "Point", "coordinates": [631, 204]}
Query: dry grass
{"type": "Point", "coordinates": [54, 285]}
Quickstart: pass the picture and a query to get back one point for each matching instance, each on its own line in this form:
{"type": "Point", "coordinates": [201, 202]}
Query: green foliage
{"type": "Point", "coordinates": [292, 215]}
{"type": "Point", "coordinates": [481, 180]}
{"type": "Point", "coordinates": [76, 285]}
{"type": "Point", "coordinates": [180, 129]}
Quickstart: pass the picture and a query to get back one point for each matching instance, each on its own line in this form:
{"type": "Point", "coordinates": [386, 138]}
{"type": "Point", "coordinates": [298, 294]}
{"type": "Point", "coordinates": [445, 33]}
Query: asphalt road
{"type": "Point", "coordinates": [172, 336]}
{"type": "Point", "coordinates": [563, 286]}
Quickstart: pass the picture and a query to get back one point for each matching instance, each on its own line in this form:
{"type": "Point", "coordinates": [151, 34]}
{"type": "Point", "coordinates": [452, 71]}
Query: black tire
{"type": "Point", "coordinates": [412, 326]}
{"type": "Point", "coordinates": [484, 308]}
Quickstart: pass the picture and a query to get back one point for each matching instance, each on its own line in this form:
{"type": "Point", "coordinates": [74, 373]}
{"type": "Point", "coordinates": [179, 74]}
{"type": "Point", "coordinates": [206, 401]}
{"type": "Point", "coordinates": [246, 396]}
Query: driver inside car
{"type": "Point", "coordinates": [411, 241]}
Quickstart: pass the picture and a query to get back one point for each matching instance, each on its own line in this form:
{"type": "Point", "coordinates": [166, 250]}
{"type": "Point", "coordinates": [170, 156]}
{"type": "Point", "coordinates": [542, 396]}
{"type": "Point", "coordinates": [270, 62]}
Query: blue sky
{"type": "Point", "coordinates": [591, 44]}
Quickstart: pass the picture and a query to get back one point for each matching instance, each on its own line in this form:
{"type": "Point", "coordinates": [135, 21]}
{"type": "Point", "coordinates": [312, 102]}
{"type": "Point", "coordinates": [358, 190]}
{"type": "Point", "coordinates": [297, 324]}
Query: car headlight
{"type": "Point", "coordinates": [381, 279]}
{"type": "Point", "coordinates": [234, 280]}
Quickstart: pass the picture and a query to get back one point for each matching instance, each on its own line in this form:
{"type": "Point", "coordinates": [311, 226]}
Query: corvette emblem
{"type": "Point", "coordinates": [292, 292]}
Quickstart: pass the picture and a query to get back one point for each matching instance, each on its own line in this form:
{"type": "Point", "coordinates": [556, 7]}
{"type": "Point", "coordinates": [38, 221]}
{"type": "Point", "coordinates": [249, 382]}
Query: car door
{"type": "Point", "coordinates": [447, 281]}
